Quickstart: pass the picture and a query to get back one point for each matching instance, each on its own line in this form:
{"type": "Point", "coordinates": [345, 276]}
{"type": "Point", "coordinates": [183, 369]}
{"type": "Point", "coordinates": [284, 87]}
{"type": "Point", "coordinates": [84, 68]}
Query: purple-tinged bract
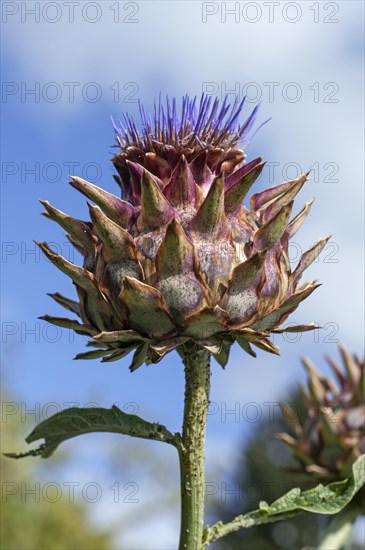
{"type": "Point", "coordinates": [331, 434]}
{"type": "Point", "coordinates": [179, 257]}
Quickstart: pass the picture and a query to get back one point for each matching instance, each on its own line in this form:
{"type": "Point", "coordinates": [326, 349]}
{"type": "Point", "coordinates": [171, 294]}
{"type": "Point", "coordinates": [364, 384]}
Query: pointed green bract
{"type": "Point", "coordinates": [120, 336]}
{"type": "Point", "coordinates": [223, 356]}
{"type": "Point", "coordinates": [263, 198]}
{"type": "Point", "coordinates": [79, 275]}
{"type": "Point", "coordinates": [156, 210]}
{"type": "Point", "coordinates": [95, 354]}
{"type": "Point", "coordinates": [242, 296]}
{"type": "Point", "coordinates": [96, 308]}
{"type": "Point", "coordinates": [117, 241]}
{"type": "Point", "coordinates": [210, 216]}
{"type": "Point", "coordinates": [208, 322]}
{"type": "Point", "coordinates": [265, 344]}
{"type": "Point", "coordinates": [236, 194]}
{"type": "Point", "coordinates": [71, 305]}
{"type": "Point", "coordinates": [177, 269]}
{"type": "Point", "coordinates": [119, 250]}
{"type": "Point", "coordinates": [136, 172]}
{"type": "Point", "coordinates": [243, 341]}
{"type": "Point", "coordinates": [79, 230]}
{"type": "Point", "coordinates": [181, 190]}
{"type": "Point", "coordinates": [139, 357]}
{"type": "Point", "coordinates": [240, 173]}
{"type": "Point", "coordinates": [275, 318]}
{"type": "Point", "coordinates": [285, 198]}
{"type": "Point", "coordinates": [308, 258]}
{"type": "Point", "coordinates": [117, 210]}
{"type": "Point", "coordinates": [269, 235]}
{"type": "Point", "coordinates": [63, 322]}
{"type": "Point", "coordinates": [176, 254]}
{"type": "Point", "coordinates": [296, 223]}
{"type": "Point", "coordinates": [146, 311]}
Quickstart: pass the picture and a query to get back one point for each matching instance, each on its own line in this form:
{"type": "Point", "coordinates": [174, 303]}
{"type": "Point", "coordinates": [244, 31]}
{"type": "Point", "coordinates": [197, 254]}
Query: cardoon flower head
{"type": "Point", "coordinates": [331, 436]}
{"type": "Point", "coordinates": [178, 257]}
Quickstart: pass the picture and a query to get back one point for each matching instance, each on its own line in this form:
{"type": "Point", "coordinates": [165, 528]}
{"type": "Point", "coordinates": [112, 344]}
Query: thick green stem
{"type": "Point", "coordinates": [191, 451]}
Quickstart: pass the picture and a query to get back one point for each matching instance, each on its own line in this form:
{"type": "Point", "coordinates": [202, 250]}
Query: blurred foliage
{"type": "Point", "coordinates": [30, 525]}
{"type": "Point", "coordinates": [263, 473]}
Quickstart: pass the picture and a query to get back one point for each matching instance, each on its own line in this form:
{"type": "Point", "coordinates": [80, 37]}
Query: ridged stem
{"type": "Point", "coordinates": [191, 451]}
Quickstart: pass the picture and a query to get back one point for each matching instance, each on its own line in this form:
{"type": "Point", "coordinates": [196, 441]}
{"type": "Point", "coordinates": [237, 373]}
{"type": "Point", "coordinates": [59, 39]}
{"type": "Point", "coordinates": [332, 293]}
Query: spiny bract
{"type": "Point", "coordinates": [179, 257]}
{"type": "Point", "coordinates": [331, 436]}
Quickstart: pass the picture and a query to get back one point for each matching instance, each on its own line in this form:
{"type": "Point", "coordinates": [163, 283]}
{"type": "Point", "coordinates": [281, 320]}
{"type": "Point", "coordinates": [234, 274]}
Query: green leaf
{"type": "Point", "coordinates": [74, 421]}
{"type": "Point", "coordinates": [329, 499]}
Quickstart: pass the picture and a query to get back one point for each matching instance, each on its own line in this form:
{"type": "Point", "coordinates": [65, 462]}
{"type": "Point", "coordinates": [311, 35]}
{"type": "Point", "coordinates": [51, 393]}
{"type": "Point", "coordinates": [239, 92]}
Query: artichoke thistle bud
{"type": "Point", "coordinates": [331, 436]}
{"type": "Point", "coordinates": [179, 257]}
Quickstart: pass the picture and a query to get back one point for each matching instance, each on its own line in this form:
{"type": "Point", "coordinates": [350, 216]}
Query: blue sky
{"type": "Point", "coordinates": [304, 64]}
